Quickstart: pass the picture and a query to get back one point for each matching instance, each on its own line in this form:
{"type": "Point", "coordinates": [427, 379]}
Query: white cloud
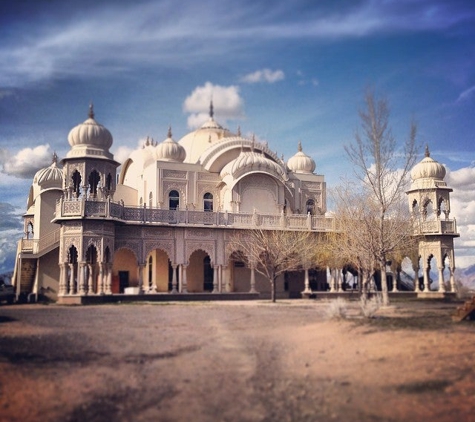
{"type": "Point", "coordinates": [227, 103]}
{"type": "Point", "coordinates": [264, 75]}
{"type": "Point", "coordinates": [26, 162]}
{"type": "Point", "coordinates": [465, 95]}
{"type": "Point", "coordinates": [122, 153]}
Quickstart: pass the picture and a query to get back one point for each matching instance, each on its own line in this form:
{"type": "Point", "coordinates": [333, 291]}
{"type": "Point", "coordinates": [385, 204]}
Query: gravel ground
{"type": "Point", "coordinates": [234, 361]}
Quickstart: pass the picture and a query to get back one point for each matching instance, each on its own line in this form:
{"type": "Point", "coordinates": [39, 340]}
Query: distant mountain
{"type": "Point", "coordinates": [466, 276]}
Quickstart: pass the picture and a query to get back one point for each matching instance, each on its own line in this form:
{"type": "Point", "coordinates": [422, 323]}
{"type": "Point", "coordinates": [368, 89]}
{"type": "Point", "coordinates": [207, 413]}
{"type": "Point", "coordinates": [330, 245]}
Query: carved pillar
{"type": "Point", "coordinates": [81, 280]}
{"type": "Point", "coordinates": [395, 279]}
{"type": "Point", "coordinates": [72, 277]}
{"type": "Point", "coordinates": [63, 276]}
{"type": "Point", "coordinates": [306, 289]}
{"type": "Point", "coordinates": [215, 279]}
{"type": "Point", "coordinates": [141, 280]}
{"type": "Point", "coordinates": [453, 287]}
{"type": "Point", "coordinates": [426, 278]}
{"type": "Point", "coordinates": [332, 280]}
{"type": "Point", "coordinates": [441, 280]}
{"type": "Point", "coordinates": [108, 286]}
{"type": "Point", "coordinates": [253, 280]}
{"type": "Point", "coordinates": [220, 278]}
{"type": "Point", "coordinates": [100, 281]}
{"type": "Point", "coordinates": [339, 276]}
{"type": "Point", "coordinates": [174, 280]}
{"type": "Point", "coordinates": [90, 279]}
{"type": "Point", "coordinates": [416, 279]}
{"type": "Point", "coordinates": [183, 284]}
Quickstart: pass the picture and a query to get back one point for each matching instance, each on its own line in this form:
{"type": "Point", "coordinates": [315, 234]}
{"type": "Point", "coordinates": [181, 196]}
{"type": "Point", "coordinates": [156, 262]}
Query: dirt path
{"type": "Point", "coordinates": [249, 361]}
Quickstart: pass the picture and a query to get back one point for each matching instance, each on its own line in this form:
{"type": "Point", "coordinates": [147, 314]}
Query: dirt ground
{"type": "Point", "coordinates": [235, 361]}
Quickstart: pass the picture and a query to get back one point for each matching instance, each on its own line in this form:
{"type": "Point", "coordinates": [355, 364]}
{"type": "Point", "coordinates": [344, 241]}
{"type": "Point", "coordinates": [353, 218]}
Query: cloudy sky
{"type": "Point", "coordinates": [282, 70]}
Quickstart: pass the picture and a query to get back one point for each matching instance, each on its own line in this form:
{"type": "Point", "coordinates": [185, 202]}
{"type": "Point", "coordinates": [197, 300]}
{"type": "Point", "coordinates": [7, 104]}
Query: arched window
{"type": "Point", "coordinates": [208, 202]}
{"type": "Point", "coordinates": [109, 182]}
{"type": "Point", "coordinates": [76, 178]}
{"type": "Point", "coordinates": [310, 207]}
{"type": "Point", "coordinates": [173, 200]}
{"type": "Point", "coordinates": [94, 179]}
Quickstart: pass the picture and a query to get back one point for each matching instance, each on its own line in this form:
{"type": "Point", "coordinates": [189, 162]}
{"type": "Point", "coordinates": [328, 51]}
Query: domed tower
{"type": "Point", "coordinates": [429, 203]}
{"type": "Point", "coordinates": [89, 167]}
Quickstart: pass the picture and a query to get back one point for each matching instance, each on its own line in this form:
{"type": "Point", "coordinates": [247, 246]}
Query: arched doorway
{"type": "Point", "coordinates": [157, 273]}
{"type": "Point", "coordinates": [124, 270]}
{"type": "Point", "coordinates": [199, 273]}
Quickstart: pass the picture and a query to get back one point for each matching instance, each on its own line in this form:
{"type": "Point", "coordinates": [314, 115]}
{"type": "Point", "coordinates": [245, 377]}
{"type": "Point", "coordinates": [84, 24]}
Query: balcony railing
{"type": "Point", "coordinates": [116, 211]}
{"type": "Point", "coordinates": [436, 227]}
{"type": "Point", "coordinates": [37, 246]}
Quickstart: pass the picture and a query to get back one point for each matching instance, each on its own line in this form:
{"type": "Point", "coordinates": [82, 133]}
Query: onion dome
{"type": "Point", "coordinates": [197, 142]}
{"type": "Point", "coordinates": [90, 139]}
{"type": "Point", "coordinates": [428, 168]}
{"type": "Point", "coordinates": [169, 150]}
{"type": "Point", "coordinates": [301, 162]}
{"type": "Point", "coordinates": [49, 177]}
{"type": "Point", "coordinates": [251, 161]}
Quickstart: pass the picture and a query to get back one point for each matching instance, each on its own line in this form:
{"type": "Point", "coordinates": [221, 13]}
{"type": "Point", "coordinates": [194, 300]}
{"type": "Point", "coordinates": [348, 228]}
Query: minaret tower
{"type": "Point", "coordinates": [429, 203]}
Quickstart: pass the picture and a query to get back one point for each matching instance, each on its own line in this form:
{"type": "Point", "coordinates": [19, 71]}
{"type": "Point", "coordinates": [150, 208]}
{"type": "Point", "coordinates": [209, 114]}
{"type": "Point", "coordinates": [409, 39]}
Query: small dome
{"type": "Point", "coordinates": [90, 135]}
{"type": "Point", "coordinates": [301, 162]}
{"type": "Point", "coordinates": [428, 168]}
{"type": "Point", "coordinates": [51, 176]}
{"type": "Point", "coordinates": [169, 150]}
{"type": "Point", "coordinates": [250, 160]}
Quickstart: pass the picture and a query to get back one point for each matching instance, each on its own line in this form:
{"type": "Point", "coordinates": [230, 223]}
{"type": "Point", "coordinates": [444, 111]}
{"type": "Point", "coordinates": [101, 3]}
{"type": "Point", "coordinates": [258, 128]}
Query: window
{"type": "Point", "coordinates": [311, 207]}
{"type": "Point", "coordinates": [173, 200]}
{"type": "Point", "coordinates": [208, 202]}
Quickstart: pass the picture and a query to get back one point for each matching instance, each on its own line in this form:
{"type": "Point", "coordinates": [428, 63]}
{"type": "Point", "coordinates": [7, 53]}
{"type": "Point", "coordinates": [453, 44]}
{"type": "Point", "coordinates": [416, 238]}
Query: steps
{"type": "Point", "coordinates": [28, 272]}
{"type": "Point", "coordinates": [466, 311]}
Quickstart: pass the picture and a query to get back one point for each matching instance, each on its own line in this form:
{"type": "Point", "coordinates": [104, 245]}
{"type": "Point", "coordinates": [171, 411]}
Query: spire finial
{"type": "Point", "coordinates": [427, 153]}
{"type": "Point", "coordinates": [169, 134]}
{"type": "Point", "coordinates": [253, 142]}
{"type": "Point", "coordinates": [239, 131]}
{"type": "Point", "coordinates": [211, 109]}
{"type": "Point", "coordinates": [299, 147]}
{"type": "Point", "coordinates": [55, 158]}
{"type": "Point", "coordinates": [91, 110]}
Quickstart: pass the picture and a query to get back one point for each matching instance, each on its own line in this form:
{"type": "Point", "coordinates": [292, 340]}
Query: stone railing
{"type": "Point", "coordinates": [36, 246]}
{"type": "Point", "coordinates": [66, 209]}
{"type": "Point", "coordinates": [436, 227]}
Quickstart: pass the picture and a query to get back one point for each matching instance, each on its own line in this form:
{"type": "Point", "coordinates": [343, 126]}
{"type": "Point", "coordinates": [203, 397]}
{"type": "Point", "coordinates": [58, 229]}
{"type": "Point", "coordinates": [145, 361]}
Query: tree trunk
{"type": "Point", "coordinates": [273, 290]}
{"type": "Point", "coordinates": [384, 283]}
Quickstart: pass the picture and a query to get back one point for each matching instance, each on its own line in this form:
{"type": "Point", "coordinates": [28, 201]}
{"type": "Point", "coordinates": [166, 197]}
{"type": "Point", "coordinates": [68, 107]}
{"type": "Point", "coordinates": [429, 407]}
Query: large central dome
{"type": "Point", "coordinates": [198, 141]}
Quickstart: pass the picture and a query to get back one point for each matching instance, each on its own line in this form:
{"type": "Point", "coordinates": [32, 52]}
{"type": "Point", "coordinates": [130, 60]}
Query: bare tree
{"type": "Point", "coordinates": [273, 252]}
{"type": "Point", "coordinates": [382, 169]}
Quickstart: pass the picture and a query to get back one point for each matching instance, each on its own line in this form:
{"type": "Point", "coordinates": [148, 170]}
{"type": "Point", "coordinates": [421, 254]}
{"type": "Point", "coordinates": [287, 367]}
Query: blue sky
{"type": "Point", "coordinates": [282, 70]}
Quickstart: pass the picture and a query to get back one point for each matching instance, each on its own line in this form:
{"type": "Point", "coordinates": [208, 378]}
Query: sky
{"type": "Point", "coordinates": [284, 71]}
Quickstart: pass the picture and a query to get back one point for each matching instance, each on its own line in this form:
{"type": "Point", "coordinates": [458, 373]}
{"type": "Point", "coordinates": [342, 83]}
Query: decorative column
{"type": "Point", "coordinates": [453, 287]}
{"type": "Point", "coordinates": [141, 268]}
{"type": "Point", "coordinates": [81, 280]}
{"type": "Point", "coordinates": [441, 280]}
{"type": "Point", "coordinates": [253, 280]}
{"type": "Point", "coordinates": [220, 279]}
{"type": "Point", "coordinates": [339, 277]}
{"type": "Point", "coordinates": [100, 281]}
{"type": "Point", "coordinates": [416, 279]}
{"type": "Point", "coordinates": [72, 289]}
{"type": "Point", "coordinates": [183, 284]}
{"type": "Point", "coordinates": [108, 287]}
{"type": "Point", "coordinates": [395, 279]}
{"type": "Point", "coordinates": [306, 289]}
{"type": "Point", "coordinates": [215, 279]}
{"type": "Point", "coordinates": [63, 276]}
{"type": "Point", "coordinates": [90, 279]}
{"type": "Point", "coordinates": [332, 279]}
{"type": "Point", "coordinates": [426, 279]}
{"type": "Point", "coordinates": [174, 281]}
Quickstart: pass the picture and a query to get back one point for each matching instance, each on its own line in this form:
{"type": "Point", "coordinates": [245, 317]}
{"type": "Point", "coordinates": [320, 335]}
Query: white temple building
{"type": "Point", "coordinates": [161, 225]}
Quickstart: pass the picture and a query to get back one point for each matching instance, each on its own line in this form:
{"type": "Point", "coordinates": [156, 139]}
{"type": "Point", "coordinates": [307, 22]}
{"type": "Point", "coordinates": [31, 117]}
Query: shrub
{"type": "Point", "coordinates": [370, 306]}
{"type": "Point", "coordinates": [337, 309]}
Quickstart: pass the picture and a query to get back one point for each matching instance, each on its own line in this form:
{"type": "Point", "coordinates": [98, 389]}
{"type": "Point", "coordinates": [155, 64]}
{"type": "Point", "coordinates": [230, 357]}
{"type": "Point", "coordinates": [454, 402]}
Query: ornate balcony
{"type": "Point", "coordinates": [108, 210]}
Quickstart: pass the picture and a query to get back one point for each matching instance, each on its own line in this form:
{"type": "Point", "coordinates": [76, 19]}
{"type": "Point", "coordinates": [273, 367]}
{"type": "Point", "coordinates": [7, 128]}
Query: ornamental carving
{"type": "Point", "coordinates": [174, 174]}
{"type": "Point", "coordinates": [207, 246]}
{"type": "Point", "coordinates": [312, 185]}
{"type": "Point", "coordinates": [153, 232]}
{"type": "Point", "coordinates": [208, 176]}
{"type": "Point", "coordinates": [200, 233]}
{"type": "Point", "coordinates": [73, 226]}
{"type": "Point", "coordinates": [134, 246]}
{"type": "Point", "coordinates": [179, 186]}
{"type": "Point", "coordinates": [167, 246]}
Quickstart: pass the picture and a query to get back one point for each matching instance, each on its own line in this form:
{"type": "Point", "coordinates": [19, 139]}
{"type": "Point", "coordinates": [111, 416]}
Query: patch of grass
{"type": "Point", "coordinates": [425, 322]}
